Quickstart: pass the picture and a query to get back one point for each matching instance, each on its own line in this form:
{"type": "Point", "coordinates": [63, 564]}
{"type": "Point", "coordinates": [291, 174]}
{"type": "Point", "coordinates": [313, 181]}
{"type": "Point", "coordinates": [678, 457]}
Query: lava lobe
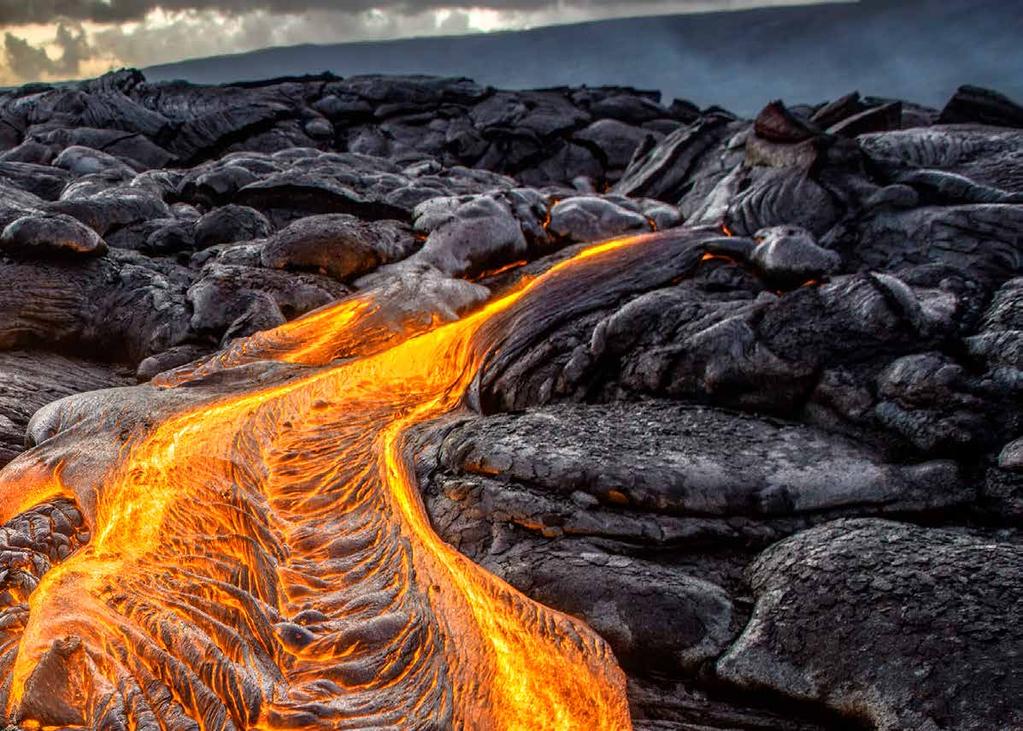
{"type": "Point", "coordinates": [243, 545]}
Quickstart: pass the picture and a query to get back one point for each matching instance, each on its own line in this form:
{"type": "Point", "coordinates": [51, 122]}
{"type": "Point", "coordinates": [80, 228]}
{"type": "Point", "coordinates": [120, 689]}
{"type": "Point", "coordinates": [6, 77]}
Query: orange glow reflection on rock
{"type": "Point", "coordinates": [267, 560]}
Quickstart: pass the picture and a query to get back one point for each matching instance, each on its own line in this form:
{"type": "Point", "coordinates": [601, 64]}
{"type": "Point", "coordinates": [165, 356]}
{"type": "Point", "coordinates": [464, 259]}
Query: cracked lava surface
{"type": "Point", "coordinates": [244, 546]}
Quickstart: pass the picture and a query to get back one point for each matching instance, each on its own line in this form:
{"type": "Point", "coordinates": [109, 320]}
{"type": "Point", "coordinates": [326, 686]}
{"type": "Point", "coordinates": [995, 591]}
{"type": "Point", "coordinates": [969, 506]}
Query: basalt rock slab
{"type": "Point", "coordinates": [32, 379]}
{"type": "Point", "coordinates": [45, 181]}
{"type": "Point", "coordinates": [873, 119]}
{"type": "Point", "coordinates": [685, 621]}
{"type": "Point", "coordinates": [616, 142]}
{"type": "Point", "coordinates": [15, 199]}
{"type": "Point", "coordinates": [787, 257]}
{"type": "Point", "coordinates": [50, 235]}
{"type": "Point", "coordinates": [586, 218]}
{"type": "Point", "coordinates": [123, 305]}
{"type": "Point", "coordinates": [229, 224]}
{"type": "Point", "coordinates": [659, 463]}
{"type": "Point", "coordinates": [998, 339]}
{"type": "Point", "coordinates": [81, 161]}
{"type": "Point", "coordinates": [766, 197]}
{"type": "Point", "coordinates": [987, 155]}
{"type": "Point", "coordinates": [156, 236]}
{"type": "Point", "coordinates": [135, 149]}
{"type": "Point", "coordinates": [169, 359]}
{"type": "Point", "coordinates": [666, 170]}
{"type": "Point", "coordinates": [419, 293]}
{"type": "Point", "coordinates": [468, 237]}
{"type": "Point", "coordinates": [310, 194]}
{"type": "Point", "coordinates": [339, 245]}
{"type": "Point", "coordinates": [902, 626]}
{"type": "Point", "coordinates": [933, 402]}
{"type": "Point", "coordinates": [978, 239]}
{"type": "Point", "coordinates": [111, 208]}
{"type": "Point", "coordinates": [155, 125]}
{"type": "Point", "coordinates": [639, 517]}
{"type": "Point", "coordinates": [237, 300]}
{"type": "Point", "coordinates": [985, 106]}
{"type": "Point", "coordinates": [728, 340]}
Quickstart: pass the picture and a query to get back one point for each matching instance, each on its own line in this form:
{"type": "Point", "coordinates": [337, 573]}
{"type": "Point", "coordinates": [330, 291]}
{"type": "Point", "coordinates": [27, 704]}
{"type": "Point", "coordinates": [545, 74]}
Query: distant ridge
{"type": "Point", "coordinates": [913, 49]}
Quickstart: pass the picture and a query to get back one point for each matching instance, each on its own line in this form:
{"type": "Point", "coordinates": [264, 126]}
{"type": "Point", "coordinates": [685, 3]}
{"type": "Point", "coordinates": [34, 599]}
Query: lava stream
{"type": "Point", "coordinates": [263, 559]}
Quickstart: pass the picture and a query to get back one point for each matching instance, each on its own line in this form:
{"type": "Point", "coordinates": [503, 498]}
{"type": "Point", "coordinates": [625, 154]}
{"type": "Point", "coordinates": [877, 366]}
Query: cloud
{"type": "Point", "coordinates": [26, 61]}
{"type": "Point", "coordinates": [69, 38]}
{"type": "Point", "coordinates": [206, 33]}
{"type": "Point", "coordinates": [74, 49]}
{"type": "Point", "coordinates": [18, 12]}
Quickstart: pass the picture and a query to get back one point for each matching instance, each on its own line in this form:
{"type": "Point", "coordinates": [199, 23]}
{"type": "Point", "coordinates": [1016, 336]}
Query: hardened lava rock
{"type": "Point", "coordinates": [762, 452]}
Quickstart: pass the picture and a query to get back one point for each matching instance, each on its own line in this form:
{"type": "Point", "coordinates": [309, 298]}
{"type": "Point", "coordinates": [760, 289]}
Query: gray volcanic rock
{"type": "Point", "coordinates": [986, 155]}
{"type": "Point", "coordinates": [769, 196]}
{"type": "Point", "coordinates": [123, 305]}
{"type": "Point", "coordinates": [709, 338]}
{"type": "Point", "coordinates": [906, 627]}
{"type": "Point", "coordinates": [13, 200]}
{"type": "Point", "coordinates": [112, 208]}
{"type": "Point", "coordinates": [81, 161]}
{"type": "Point", "coordinates": [419, 294]}
{"type": "Point", "coordinates": [136, 150]}
{"type": "Point", "coordinates": [310, 194]}
{"type": "Point", "coordinates": [979, 238]}
{"type": "Point", "coordinates": [541, 114]}
{"type": "Point", "coordinates": [42, 180]}
{"type": "Point", "coordinates": [684, 622]}
{"type": "Point", "coordinates": [174, 357]}
{"type": "Point", "coordinates": [670, 459]}
{"type": "Point", "coordinates": [616, 142]}
{"type": "Point", "coordinates": [338, 245]}
{"type": "Point", "coordinates": [155, 237]}
{"type": "Point", "coordinates": [214, 184]}
{"type": "Point", "coordinates": [587, 218]}
{"type": "Point", "coordinates": [229, 224]}
{"type": "Point", "coordinates": [818, 315]}
{"type": "Point", "coordinates": [930, 400]}
{"type": "Point", "coordinates": [665, 170]}
{"type": "Point", "coordinates": [788, 256]}
{"type": "Point", "coordinates": [239, 300]}
{"type": "Point", "coordinates": [975, 104]}
{"type": "Point", "coordinates": [998, 341]}
{"type": "Point", "coordinates": [579, 505]}
{"type": "Point", "coordinates": [466, 237]}
{"type": "Point", "coordinates": [32, 379]}
{"type": "Point", "coordinates": [34, 236]}
{"type": "Point", "coordinates": [122, 118]}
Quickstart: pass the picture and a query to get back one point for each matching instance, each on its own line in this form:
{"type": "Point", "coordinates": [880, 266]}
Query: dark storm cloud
{"type": "Point", "coordinates": [15, 12]}
{"type": "Point", "coordinates": [18, 12]}
{"type": "Point", "coordinates": [60, 39]}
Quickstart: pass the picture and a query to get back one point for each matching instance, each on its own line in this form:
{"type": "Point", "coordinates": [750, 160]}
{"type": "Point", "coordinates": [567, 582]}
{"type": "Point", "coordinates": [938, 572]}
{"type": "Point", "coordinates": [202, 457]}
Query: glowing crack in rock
{"type": "Point", "coordinates": [243, 546]}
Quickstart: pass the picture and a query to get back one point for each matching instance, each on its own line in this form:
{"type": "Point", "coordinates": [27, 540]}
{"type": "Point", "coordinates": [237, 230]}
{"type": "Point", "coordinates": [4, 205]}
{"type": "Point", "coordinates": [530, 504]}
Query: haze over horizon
{"type": "Point", "coordinates": [59, 40]}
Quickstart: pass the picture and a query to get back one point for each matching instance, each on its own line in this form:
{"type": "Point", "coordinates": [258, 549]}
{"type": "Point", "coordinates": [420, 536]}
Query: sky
{"type": "Point", "coordinates": [50, 40]}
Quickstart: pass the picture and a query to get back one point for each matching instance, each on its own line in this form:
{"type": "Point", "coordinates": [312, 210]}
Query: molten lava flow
{"type": "Point", "coordinates": [263, 559]}
{"type": "Point", "coordinates": [500, 270]}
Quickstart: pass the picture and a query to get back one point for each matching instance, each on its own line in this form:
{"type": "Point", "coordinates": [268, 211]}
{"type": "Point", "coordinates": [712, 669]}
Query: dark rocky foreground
{"type": "Point", "coordinates": [781, 472]}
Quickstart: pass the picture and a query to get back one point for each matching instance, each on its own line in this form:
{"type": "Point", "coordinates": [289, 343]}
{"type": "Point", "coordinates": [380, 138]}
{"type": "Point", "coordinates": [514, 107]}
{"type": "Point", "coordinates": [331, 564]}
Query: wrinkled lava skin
{"type": "Point", "coordinates": [244, 546]}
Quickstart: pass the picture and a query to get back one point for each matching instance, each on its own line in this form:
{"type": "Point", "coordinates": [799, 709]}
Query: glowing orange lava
{"type": "Point", "coordinates": [263, 559]}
